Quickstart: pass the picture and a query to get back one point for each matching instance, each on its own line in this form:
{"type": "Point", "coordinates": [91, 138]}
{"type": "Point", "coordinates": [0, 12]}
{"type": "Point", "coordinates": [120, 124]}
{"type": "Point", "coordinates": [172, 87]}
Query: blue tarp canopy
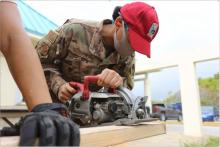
{"type": "Point", "coordinates": [34, 22]}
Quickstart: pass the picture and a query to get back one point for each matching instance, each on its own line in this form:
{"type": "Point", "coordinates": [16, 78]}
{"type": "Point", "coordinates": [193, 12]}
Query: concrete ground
{"type": "Point", "coordinates": [206, 130]}
{"type": "Point", "coordinates": [166, 140]}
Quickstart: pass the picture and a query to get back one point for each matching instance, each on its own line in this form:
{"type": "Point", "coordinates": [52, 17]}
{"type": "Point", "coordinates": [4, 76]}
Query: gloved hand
{"type": "Point", "coordinates": [51, 128]}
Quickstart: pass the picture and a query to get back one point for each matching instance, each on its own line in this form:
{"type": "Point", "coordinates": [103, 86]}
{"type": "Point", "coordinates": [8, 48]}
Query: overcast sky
{"type": "Point", "coordinates": [187, 28]}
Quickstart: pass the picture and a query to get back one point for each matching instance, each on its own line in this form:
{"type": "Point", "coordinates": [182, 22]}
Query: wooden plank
{"type": "Point", "coordinates": [120, 134]}
{"type": "Point", "coordinates": [107, 135]}
{"type": "Point", "coordinates": [9, 141]}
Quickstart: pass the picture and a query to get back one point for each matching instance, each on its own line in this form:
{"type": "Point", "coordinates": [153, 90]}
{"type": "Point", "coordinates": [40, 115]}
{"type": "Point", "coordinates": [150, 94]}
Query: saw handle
{"type": "Point", "coordinates": [77, 86]}
{"type": "Point", "coordinates": [85, 87]}
{"type": "Point", "coordinates": [87, 80]}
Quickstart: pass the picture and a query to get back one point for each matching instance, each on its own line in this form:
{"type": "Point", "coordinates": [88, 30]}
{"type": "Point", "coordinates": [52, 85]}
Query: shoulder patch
{"type": "Point", "coordinates": [52, 35]}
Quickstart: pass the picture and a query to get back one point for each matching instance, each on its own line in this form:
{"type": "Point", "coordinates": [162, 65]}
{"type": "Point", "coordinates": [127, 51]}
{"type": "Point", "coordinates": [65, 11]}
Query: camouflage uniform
{"type": "Point", "coordinates": [75, 50]}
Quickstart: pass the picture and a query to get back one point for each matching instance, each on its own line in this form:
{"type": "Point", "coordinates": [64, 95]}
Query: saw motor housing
{"type": "Point", "coordinates": [93, 108]}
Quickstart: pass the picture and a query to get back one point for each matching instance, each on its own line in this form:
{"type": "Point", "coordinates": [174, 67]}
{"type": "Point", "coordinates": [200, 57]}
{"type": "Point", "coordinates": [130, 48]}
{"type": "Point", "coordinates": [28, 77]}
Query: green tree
{"type": "Point", "coordinates": [209, 92]}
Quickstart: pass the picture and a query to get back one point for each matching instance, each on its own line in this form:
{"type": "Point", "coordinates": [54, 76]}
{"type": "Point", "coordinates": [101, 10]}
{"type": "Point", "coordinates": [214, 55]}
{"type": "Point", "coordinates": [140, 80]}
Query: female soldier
{"type": "Point", "coordinates": [80, 48]}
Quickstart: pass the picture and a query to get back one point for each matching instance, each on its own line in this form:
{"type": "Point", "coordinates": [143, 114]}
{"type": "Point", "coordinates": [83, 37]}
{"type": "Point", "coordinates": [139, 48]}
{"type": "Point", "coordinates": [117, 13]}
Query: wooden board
{"type": "Point", "coordinates": [107, 135]}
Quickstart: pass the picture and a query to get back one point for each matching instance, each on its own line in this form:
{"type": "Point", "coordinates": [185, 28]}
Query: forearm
{"type": "Point", "coordinates": [22, 59]}
{"type": "Point", "coordinates": [55, 81]}
{"type": "Point", "coordinates": [27, 71]}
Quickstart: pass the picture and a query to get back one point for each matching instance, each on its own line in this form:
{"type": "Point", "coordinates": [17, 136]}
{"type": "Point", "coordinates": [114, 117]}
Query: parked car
{"type": "Point", "coordinates": [210, 113]}
{"type": "Point", "coordinates": [164, 112]}
{"type": "Point", "coordinates": [177, 106]}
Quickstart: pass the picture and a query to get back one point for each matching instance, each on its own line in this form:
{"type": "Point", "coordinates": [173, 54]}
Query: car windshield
{"type": "Point", "coordinates": [207, 110]}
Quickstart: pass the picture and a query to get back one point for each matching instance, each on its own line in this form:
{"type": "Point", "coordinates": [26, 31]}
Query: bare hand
{"type": "Point", "coordinates": [109, 78]}
{"type": "Point", "coordinates": [65, 92]}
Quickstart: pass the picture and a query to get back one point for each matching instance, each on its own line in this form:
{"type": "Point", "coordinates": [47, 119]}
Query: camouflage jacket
{"type": "Point", "coordinates": [75, 50]}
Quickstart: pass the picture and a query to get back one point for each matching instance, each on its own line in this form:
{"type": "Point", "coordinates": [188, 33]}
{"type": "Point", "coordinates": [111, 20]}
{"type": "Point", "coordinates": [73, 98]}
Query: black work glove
{"type": "Point", "coordinates": [51, 128]}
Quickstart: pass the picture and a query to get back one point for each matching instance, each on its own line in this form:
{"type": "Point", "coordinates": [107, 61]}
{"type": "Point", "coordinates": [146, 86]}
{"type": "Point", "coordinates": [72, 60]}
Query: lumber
{"type": "Point", "coordinates": [107, 135]}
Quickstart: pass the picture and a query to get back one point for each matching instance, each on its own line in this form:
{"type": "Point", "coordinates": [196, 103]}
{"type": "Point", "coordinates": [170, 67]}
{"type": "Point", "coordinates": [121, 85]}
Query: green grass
{"type": "Point", "coordinates": [211, 142]}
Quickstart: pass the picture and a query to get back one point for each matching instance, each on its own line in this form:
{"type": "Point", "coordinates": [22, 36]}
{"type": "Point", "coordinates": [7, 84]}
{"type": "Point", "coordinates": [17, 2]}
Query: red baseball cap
{"type": "Point", "coordinates": [143, 25]}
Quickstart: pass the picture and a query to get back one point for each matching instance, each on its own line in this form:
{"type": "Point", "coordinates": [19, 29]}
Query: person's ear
{"type": "Point", "coordinates": [118, 22]}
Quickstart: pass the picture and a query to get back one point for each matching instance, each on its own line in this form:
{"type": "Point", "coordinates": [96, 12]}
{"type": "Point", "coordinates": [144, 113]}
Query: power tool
{"type": "Point", "coordinates": [106, 105]}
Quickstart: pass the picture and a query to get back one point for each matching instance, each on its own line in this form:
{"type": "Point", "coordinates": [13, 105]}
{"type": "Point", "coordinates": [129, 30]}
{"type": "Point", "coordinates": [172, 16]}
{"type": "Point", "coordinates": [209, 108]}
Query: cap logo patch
{"type": "Point", "coordinates": [152, 30]}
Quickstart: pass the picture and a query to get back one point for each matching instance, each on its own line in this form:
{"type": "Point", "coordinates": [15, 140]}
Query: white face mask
{"type": "Point", "coordinates": [122, 46]}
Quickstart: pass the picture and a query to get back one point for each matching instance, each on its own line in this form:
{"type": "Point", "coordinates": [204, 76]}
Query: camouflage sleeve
{"type": "Point", "coordinates": [126, 68]}
{"type": "Point", "coordinates": [129, 77]}
{"type": "Point", "coordinates": [49, 55]}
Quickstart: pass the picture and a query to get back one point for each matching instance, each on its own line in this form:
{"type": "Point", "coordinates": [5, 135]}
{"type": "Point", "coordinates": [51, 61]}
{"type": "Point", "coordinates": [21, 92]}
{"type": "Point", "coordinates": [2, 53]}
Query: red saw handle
{"type": "Point", "coordinates": [77, 86]}
{"type": "Point", "coordinates": [85, 87]}
{"type": "Point", "coordinates": [87, 80]}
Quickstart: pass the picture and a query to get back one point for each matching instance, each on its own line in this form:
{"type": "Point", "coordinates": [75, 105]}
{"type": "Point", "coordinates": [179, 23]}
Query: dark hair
{"type": "Point", "coordinates": [115, 13]}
